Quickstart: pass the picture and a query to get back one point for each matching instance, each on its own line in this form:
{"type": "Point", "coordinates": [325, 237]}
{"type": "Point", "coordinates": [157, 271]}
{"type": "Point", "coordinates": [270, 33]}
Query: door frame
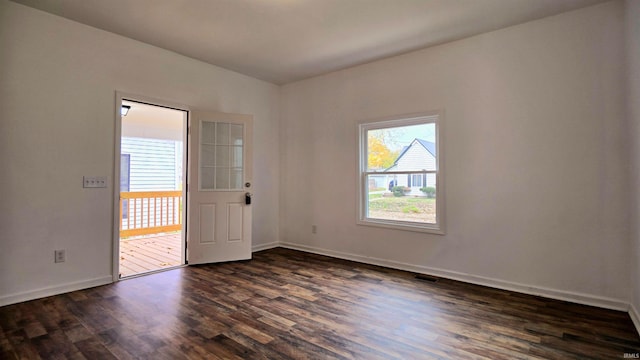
{"type": "Point", "coordinates": [119, 97]}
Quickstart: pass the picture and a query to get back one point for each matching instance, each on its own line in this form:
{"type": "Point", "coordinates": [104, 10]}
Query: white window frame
{"type": "Point", "coordinates": [435, 117]}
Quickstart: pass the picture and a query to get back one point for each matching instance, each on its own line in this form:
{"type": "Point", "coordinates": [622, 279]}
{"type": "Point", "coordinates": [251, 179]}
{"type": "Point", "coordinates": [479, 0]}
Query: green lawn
{"type": "Point", "coordinates": [397, 203]}
{"type": "Point", "coordinates": [403, 207]}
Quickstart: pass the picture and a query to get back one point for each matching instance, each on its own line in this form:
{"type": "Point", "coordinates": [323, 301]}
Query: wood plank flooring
{"type": "Point", "coordinates": [286, 304]}
{"type": "Point", "coordinates": [149, 253]}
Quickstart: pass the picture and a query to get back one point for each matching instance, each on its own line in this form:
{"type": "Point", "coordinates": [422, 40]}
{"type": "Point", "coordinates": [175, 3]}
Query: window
{"type": "Point", "coordinates": [400, 182]}
{"type": "Point", "coordinates": [416, 180]}
{"type": "Point", "coordinates": [221, 149]}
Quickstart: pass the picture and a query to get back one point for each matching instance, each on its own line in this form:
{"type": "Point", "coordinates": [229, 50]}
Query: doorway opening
{"type": "Point", "coordinates": [152, 188]}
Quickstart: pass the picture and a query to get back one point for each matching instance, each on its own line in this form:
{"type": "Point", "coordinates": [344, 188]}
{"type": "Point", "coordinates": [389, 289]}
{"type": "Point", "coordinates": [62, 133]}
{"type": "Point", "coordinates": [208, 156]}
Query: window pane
{"type": "Point", "coordinates": [222, 178]}
{"type": "Point", "coordinates": [222, 134]}
{"type": "Point", "coordinates": [222, 156]}
{"type": "Point", "coordinates": [208, 155]}
{"type": "Point", "coordinates": [403, 148]}
{"type": "Point", "coordinates": [236, 134]}
{"type": "Point", "coordinates": [208, 132]}
{"type": "Point", "coordinates": [391, 197]}
{"type": "Point", "coordinates": [236, 179]}
{"type": "Point", "coordinates": [206, 178]}
{"type": "Point", "coordinates": [236, 156]}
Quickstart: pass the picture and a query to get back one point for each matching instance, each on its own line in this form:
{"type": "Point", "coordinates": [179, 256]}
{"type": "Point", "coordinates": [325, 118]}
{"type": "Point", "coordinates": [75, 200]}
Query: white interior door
{"type": "Point", "coordinates": [220, 162]}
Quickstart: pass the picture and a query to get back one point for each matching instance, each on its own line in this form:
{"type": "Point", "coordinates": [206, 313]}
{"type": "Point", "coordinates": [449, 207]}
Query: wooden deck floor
{"type": "Point", "coordinates": [149, 253]}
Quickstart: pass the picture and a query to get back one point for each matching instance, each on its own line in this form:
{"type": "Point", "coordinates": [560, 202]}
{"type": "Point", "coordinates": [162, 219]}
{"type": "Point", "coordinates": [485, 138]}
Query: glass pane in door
{"type": "Point", "coordinates": [221, 156]}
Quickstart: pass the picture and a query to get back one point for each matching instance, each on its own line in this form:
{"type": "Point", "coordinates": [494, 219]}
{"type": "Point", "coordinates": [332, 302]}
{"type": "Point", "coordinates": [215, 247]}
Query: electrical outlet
{"type": "Point", "coordinates": [314, 229]}
{"type": "Point", "coordinates": [94, 181]}
{"type": "Point", "coordinates": [59, 256]}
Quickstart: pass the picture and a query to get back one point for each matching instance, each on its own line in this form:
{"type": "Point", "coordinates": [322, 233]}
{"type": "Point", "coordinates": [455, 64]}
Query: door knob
{"type": "Point", "coordinates": [247, 198]}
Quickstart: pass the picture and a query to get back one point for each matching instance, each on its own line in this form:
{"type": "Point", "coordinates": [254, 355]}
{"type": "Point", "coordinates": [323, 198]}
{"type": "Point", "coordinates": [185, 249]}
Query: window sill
{"type": "Point", "coordinates": [436, 229]}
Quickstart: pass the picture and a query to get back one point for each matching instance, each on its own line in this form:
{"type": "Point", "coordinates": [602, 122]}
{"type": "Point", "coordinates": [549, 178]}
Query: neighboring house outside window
{"type": "Point", "coordinates": [401, 174]}
{"type": "Point", "coordinates": [420, 155]}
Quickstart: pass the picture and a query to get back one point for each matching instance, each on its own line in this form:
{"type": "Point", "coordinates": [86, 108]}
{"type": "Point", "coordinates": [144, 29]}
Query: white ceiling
{"type": "Point", "coordinates": [287, 40]}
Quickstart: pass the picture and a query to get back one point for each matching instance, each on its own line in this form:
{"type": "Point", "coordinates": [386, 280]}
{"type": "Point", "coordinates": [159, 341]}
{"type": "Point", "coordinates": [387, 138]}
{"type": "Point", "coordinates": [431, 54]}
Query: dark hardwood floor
{"type": "Point", "coordinates": [286, 304]}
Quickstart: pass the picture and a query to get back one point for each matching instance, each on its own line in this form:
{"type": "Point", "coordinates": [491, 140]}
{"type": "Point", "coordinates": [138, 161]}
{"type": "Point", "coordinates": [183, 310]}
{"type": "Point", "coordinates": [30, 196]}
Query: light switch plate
{"type": "Point", "coordinates": [94, 181]}
{"type": "Point", "coordinates": [59, 256]}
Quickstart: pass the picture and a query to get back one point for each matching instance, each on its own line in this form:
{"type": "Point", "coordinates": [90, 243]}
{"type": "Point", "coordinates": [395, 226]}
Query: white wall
{"type": "Point", "coordinates": [57, 99]}
{"type": "Point", "coordinates": [535, 157]}
{"type": "Point", "coordinates": [632, 21]}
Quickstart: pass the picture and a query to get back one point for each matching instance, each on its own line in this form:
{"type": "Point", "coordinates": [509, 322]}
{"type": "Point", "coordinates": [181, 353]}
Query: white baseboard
{"type": "Point", "coordinates": [574, 297]}
{"type": "Point", "coordinates": [260, 247]}
{"type": "Point", "coordinates": [54, 290]}
{"type": "Point", "coordinates": [635, 317]}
